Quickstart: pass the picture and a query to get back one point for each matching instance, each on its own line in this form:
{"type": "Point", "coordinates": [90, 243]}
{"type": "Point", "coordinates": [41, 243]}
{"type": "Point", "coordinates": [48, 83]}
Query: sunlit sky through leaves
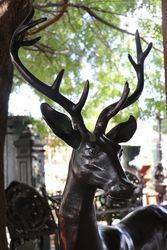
{"type": "Point", "coordinates": [25, 102]}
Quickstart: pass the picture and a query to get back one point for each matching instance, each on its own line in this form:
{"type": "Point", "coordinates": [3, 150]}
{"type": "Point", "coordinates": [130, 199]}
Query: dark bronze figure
{"type": "Point", "coordinates": [95, 164]}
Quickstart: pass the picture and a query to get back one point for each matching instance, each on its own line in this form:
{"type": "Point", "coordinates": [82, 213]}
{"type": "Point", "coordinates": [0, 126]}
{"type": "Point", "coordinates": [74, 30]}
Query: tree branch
{"type": "Point", "coordinates": [51, 21]}
{"type": "Point", "coordinates": [45, 48]}
{"type": "Point", "coordinates": [90, 10]}
{"type": "Point", "coordinates": [113, 26]}
{"type": "Point", "coordinates": [49, 5]}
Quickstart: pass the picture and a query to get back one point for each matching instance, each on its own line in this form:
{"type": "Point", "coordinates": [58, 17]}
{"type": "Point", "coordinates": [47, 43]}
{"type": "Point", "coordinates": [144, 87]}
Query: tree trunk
{"type": "Point", "coordinates": [164, 31]}
{"type": "Point", "coordinates": [12, 12]}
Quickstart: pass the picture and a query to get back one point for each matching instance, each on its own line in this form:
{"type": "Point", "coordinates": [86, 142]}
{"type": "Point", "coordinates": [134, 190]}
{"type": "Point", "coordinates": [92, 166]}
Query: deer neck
{"type": "Point", "coordinates": [77, 215]}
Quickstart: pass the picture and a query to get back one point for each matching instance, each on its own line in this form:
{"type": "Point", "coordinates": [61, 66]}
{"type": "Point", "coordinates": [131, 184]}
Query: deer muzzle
{"type": "Point", "coordinates": [123, 190]}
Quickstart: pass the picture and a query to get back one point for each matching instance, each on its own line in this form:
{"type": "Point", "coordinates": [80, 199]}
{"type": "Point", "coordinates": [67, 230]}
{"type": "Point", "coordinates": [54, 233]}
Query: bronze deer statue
{"type": "Point", "coordinates": [95, 163]}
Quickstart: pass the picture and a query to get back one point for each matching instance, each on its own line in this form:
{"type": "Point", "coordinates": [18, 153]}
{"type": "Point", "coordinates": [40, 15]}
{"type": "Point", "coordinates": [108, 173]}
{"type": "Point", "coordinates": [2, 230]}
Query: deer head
{"type": "Point", "coordinates": [95, 158]}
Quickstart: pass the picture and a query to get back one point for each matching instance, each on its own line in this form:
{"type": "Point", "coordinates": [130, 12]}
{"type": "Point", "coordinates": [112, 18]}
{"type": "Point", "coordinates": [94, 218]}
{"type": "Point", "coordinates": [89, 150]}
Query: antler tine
{"type": "Point", "coordinates": [138, 45]}
{"type": "Point", "coordinates": [83, 97]}
{"type": "Point", "coordinates": [110, 111]}
{"type": "Point", "coordinates": [78, 122]}
{"type": "Point", "coordinates": [57, 82]}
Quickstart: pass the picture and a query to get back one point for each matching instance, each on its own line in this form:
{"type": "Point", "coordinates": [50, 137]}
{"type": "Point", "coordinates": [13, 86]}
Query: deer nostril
{"type": "Point", "coordinates": [128, 184]}
{"type": "Point", "coordinates": [123, 190]}
{"type": "Point", "coordinates": [123, 187]}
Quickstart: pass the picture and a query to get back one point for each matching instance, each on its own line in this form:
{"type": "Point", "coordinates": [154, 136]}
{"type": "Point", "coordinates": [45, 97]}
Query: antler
{"type": "Point", "coordinates": [51, 92]}
{"type": "Point", "coordinates": [101, 123]}
{"type": "Point", "coordinates": [111, 111]}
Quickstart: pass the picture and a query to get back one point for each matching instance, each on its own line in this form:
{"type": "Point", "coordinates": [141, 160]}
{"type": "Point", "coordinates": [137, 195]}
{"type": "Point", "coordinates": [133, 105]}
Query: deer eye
{"type": "Point", "coordinates": [93, 151]}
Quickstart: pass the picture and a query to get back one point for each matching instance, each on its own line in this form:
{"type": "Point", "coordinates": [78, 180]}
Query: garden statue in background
{"type": "Point", "coordinates": [95, 163]}
{"type": "Point", "coordinates": [29, 217]}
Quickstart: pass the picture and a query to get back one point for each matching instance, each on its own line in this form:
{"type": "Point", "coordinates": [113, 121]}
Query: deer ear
{"type": "Point", "coordinates": [61, 125]}
{"type": "Point", "coordinates": [124, 131]}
